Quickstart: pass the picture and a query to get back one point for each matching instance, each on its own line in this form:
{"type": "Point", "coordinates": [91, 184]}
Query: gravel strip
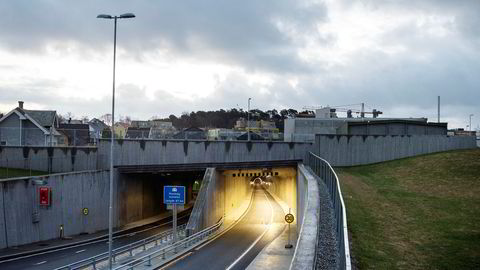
{"type": "Point", "coordinates": [327, 251]}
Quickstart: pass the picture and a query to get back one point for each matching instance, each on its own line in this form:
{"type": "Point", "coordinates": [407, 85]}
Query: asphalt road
{"type": "Point", "coordinates": [64, 257]}
{"type": "Point", "coordinates": [237, 248]}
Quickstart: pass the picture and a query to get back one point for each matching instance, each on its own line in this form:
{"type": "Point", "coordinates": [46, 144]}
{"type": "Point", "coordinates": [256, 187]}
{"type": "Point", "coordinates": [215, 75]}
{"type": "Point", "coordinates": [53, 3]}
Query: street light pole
{"type": "Point", "coordinates": [248, 119]}
{"type": "Point", "coordinates": [470, 116]}
{"type": "Point", "coordinates": [110, 205]}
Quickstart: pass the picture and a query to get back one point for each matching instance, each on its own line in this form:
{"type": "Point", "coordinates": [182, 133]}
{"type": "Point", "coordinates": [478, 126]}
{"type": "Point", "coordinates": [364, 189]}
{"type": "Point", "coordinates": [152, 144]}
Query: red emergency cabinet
{"type": "Point", "coordinates": [44, 195]}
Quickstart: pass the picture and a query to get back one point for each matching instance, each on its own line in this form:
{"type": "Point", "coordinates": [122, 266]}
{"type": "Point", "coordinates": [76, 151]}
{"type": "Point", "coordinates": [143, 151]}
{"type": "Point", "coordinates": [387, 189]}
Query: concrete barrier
{"type": "Point", "coordinates": [199, 218]}
{"type": "Point", "coordinates": [307, 220]}
{"type": "Point", "coordinates": [346, 150]}
{"type": "Point", "coordinates": [141, 152]}
{"type": "Point", "coordinates": [29, 222]}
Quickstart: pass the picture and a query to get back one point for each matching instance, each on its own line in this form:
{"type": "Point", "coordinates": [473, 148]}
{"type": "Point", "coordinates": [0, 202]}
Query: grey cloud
{"type": "Point", "coordinates": [235, 32]}
{"type": "Point", "coordinates": [243, 34]}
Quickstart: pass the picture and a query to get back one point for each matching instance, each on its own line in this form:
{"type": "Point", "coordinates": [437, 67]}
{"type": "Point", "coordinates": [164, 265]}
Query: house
{"type": "Point", "coordinates": [96, 128]}
{"type": "Point", "coordinates": [137, 133]}
{"type": "Point", "coordinates": [192, 133]}
{"type": "Point", "coordinates": [253, 137]}
{"type": "Point", "coordinates": [29, 127]}
{"type": "Point", "coordinates": [77, 134]}
{"type": "Point", "coordinates": [141, 124]}
{"type": "Point", "coordinates": [223, 134]}
{"type": "Point", "coordinates": [161, 129]}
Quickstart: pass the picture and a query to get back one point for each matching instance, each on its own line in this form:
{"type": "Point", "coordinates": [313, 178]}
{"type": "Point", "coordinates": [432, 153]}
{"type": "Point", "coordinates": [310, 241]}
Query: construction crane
{"type": "Point", "coordinates": [347, 108]}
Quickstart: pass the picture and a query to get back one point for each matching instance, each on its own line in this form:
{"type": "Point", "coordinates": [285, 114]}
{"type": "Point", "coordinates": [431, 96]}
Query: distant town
{"type": "Point", "coordinates": [22, 126]}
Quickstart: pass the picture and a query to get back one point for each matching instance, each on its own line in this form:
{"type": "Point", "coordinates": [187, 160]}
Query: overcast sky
{"type": "Point", "coordinates": [177, 56]}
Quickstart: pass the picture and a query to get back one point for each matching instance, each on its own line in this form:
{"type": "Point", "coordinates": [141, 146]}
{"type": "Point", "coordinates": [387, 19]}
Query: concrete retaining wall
{"type": "Point", "coordinates": [343, 150]}
{"type": "Point", "coordinates": [140, 152]}
{"type": "Point", "coordinates": [50, 159]}
{"type": "Point", "coordinates": [307, 220]}
{"type": "Point", "coordinates": [70, 194]}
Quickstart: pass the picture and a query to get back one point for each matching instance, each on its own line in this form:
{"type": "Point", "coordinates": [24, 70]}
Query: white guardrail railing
{"type": "Point", "coordinates": [162, 253]}
{"type": "Point", "coordinates": [125, 251]}
{"type": "Point", "coordinates": [322, 169]}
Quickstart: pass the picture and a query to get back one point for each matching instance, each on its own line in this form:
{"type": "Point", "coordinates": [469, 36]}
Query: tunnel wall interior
{"type": "Point", "coordinates": [140, 195]}
{"type": "Point", "coordinates": [27, 221]}
{"type": "Point", "coordinates": [237, 192]}
{"type": "Point", "coordinates": [284, 186]}
{"type": "Point", "coordinates": [226, 194]}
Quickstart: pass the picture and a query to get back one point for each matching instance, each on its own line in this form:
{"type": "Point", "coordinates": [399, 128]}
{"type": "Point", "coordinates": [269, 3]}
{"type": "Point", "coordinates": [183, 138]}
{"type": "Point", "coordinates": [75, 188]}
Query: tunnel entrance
{"type": "Point", "coordinates": [280, 181]}
{"type": "Point", "coordinates": [140, 194]}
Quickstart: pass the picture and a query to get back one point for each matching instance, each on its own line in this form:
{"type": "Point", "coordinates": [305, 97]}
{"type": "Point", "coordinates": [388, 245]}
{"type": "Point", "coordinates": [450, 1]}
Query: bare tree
{"type": "Point", "coordinates": [84, 119]}
{"type": "Point", "coordinates": [106, 118]}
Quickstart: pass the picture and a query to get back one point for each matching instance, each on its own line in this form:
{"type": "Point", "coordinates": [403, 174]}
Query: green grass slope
{"type": "Point", "coordinates": [11, 173]}
{"type": "Point", "coordinates": [415, 213]}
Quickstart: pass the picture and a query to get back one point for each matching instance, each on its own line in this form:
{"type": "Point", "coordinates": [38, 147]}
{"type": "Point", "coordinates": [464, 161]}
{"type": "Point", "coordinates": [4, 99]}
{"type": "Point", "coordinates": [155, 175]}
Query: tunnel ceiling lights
{"type": "Point", "coordinates": [255, 174]}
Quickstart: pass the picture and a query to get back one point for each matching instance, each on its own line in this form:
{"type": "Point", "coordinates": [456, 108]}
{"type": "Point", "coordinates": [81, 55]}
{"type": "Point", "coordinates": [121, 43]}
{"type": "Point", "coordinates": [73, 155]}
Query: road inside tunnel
{"type": "Point", "coordinates": [141, 194]}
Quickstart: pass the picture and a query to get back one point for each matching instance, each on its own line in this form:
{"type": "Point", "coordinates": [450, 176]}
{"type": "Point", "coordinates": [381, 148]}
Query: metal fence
{"type": "Point", "coordinates": [160, 256]}
{"type": "Point", "coordinates": [16, 136]}
{"type": "Point", "coordinates": [127, 251]}
{"type": "Point", "coordinates": [62, 137]}
{"type": "Point", "coordinates": [19, 167]}
{"type": "Point", "coordinates": [322, 169]}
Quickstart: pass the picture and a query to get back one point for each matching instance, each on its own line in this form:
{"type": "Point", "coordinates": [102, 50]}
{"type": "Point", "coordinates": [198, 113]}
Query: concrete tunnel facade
{"type": "Point", "coordinates": [227, 193]}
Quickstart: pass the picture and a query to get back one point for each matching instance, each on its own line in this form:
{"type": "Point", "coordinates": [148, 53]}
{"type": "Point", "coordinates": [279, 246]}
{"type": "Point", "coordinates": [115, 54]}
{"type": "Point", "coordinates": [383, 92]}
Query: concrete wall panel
{"type": "Point", "coordinates": [342, 150]}
{"type": "Point", "coordinates": [70, 193]}
{"type": "Point", "coordinates": [3, 239]}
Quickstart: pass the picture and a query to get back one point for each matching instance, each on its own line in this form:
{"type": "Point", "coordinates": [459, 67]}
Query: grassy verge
{"type": "Point", "coordinates": [415, 213]}
{"type": "Point", "coordinates": [10, 173]}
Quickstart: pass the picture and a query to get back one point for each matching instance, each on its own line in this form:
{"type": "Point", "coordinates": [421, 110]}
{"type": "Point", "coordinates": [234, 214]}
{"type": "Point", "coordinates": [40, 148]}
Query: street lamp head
{"type": "Point", "coordinates": [127, 16]}
{"type": "Point", "coordinates": [104, 16]}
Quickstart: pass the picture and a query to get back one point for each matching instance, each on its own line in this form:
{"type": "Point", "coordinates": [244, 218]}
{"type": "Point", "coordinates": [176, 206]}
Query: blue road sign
{"type": "Point", "coordinates": [174, 195]}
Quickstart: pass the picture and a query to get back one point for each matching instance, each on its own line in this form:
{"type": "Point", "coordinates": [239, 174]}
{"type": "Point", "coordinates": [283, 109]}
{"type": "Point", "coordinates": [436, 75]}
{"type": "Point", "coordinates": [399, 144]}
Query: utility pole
{"type": "Point", "coordinates": [438, 110]}
{"type": "Point", "coordinates": [470, 116]}
{"type": "Point", "coordinates": [248, 119]}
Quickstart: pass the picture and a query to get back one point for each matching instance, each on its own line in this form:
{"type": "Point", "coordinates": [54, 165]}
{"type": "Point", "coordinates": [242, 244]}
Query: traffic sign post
{"type": "Point", "coordinates": [289, 218]}
{"type": "Point", "coordinates": [174, 195]}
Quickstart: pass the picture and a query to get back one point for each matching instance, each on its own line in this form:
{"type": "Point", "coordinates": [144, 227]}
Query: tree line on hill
{"type": "Point", "coordinates": [207, 119]}
{"type": "Point", "coordinates": [227, 118]}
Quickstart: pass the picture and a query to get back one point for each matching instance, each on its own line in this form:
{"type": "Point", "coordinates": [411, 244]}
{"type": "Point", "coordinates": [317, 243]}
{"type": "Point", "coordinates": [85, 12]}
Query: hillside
{"type": "Point", "coordinates": [415, 213]}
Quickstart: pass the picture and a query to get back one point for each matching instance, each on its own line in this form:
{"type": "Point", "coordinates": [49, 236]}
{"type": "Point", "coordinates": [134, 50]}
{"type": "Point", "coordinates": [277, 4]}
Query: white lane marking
{"type": "Point", "coordinates": [258, 239]}
{"type": "Point", "coordinates": [231, 225]}
{"type": "Point", "coordinates": [40, 263]}
{"type": "Point", "coordinates": [80, 251]}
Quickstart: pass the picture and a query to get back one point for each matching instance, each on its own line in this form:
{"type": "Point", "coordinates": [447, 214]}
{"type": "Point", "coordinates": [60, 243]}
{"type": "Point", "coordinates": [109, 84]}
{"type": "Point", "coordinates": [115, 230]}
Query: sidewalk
{"type": "Point", "coordinates": [47, 245]}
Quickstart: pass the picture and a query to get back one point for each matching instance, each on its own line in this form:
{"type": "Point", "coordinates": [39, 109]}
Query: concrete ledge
{"type": "Point", "coordinates": [304, 256]}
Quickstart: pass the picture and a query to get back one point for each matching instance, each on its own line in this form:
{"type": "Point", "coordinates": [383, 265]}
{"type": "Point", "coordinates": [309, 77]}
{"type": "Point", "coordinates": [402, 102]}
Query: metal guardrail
{"type": "Point", "coordinates": [124, 251]}
{"type": "Point", "coordinates": [174, 248]}
{"type": "Point", "coordinates": [322, 169]}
